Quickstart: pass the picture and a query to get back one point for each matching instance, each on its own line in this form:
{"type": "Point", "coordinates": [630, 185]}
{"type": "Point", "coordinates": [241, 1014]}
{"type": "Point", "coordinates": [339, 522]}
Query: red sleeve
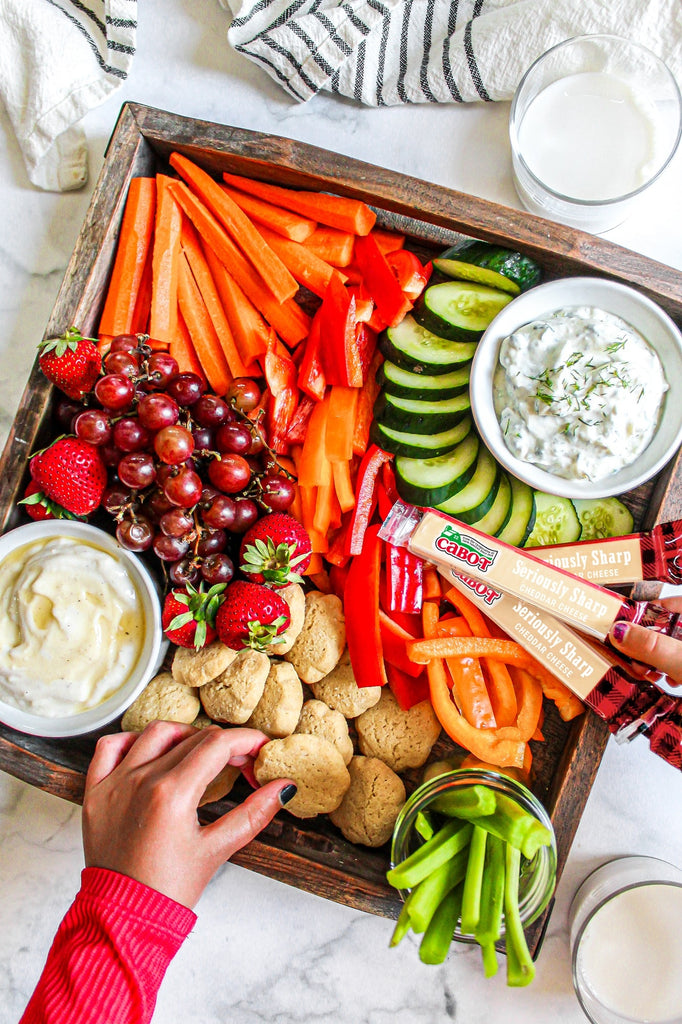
{"type": "Point", "coordinates": [110, 953]}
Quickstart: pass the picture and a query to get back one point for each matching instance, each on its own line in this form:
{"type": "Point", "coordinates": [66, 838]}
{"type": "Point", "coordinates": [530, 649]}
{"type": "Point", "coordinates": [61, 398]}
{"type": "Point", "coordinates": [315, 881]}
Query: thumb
{"type": "Point", "coordinates": [239, 826]}
{"type": "Point", "coordinates": [647, 645]}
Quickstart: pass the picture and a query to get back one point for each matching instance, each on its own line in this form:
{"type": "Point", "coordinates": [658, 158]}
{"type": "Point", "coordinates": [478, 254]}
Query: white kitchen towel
{"type": "Point", "coordinates": [58, 60]}
{"type": "Point", "coordinates": [387, 52]}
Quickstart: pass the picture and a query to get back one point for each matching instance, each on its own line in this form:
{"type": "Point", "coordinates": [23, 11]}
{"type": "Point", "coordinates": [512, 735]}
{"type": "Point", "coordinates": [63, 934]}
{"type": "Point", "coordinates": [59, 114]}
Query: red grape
{"type": "Point", "coordinates": [123, 343]}
{"type": "Point", "coordinates": [174, 444]}
{"type": "Point", "coordinates": [217, 569]}
{"type": "Point", "coordinates": [157, 504]}
{"type": "Point", "coordinates": [233, 438]}
{"type": "Point", "coordinates": [211, 411]}
{"type": "Point", "coordinates": [203, 439]}
{"type": "Point", "coordinates": [246, 514]}
{"type": "Point", "coordinates": [157, 411]}
{"type": "Point", "coordinates": [257, 441]}
{"type": "Point", "coordinates": [137, 470]}
{"type": "Point", "coordinates": [160, 368]}
{"type": "Point", "coordinates": [211, 542]}
{"type": "Point", "coordinates": [244, 393]}
{"type": "Point", "coordinates": [231, 473]}
{"type": "Point", "coordinates": [278, 492]}
{"type": "Point", "coordinates": [184, 488]}
{"type": "Point", "coordinates": [176, 523]}
{"type": "Point", "coordinates": [130, 435]}
{"type": "Point", "coordinates": [110, 454]}
{"type": "Point", "coordinates": [135, 534]}
{"type": "Point", "coordinates": [184, 571]}
{"type": "Point", "coordinates": [185, 388]}
{"type": "Point", "coordinates": [115, 391]}
{"type": "Point", "coordinates": [115, 498]}
{"type": "Point", "coordinates": [93, 426]}
{"type": "Point", "coordinates": [169, 549]}
{"type": "Point", "coordinates": [122, 362]}
{"type": "Point", "coordinates": [67, 409]}
{"type": "Point", "coordinates": [221, 513]}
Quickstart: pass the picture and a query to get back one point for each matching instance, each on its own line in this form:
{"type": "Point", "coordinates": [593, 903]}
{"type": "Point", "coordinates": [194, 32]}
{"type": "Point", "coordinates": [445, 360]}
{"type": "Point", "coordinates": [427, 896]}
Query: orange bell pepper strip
{"type": "Point", "coordinates": [529, 698]}
{"type": "Point", "coordinates": [485, 744]}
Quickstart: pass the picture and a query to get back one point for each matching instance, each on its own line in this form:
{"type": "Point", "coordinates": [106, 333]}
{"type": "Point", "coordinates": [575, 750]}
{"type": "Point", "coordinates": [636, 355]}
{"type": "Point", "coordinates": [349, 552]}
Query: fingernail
{"type": "Point", "coordinates": [618, 631]}
{"type": "Point", "coordinates": [287, 794]}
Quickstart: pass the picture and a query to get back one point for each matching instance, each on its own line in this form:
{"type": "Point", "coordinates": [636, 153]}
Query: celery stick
{"type": "Point", "coordinates": [526, 834]}
{"type": "Point", "coordinates": [448, 841]}
{"type": "Point", "coordinates": [466, 802]}
{"type": "Point", "coordinates": [433, 948]}
{"type": "Point", "coordinates": [520, 966]}
{"type": "Point", "coordinates": [423, 825]}
{"type": "Point", "coordinates": [471, 898]}
{"type": "Point", "coordinates": [532, 833]}
{"type": "Point", "coordinates": [402, 925]}
{"type": "Point", "coordinates": [489, 927]}
{"type": "Point", "coordinates": [429, 894]}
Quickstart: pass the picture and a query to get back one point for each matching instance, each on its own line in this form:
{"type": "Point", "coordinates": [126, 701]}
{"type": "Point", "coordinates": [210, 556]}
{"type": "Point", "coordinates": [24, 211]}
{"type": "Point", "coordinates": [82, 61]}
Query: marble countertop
{"type": "Point", "coordinates": [262, 951]}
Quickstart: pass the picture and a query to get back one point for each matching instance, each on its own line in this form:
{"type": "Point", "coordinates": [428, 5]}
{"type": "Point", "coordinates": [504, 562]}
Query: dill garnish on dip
{"type": "Point", "coordinates": [578, 393]}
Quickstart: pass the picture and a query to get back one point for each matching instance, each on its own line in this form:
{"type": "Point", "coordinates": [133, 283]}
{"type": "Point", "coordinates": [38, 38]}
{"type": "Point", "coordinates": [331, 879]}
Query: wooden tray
{"type": "Point", "coordinates": [313, 856]}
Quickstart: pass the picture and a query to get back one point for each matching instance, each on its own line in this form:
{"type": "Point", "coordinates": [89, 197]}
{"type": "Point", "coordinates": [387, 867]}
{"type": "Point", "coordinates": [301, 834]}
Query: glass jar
{"type": "Point", "coordinates": [538, 876]}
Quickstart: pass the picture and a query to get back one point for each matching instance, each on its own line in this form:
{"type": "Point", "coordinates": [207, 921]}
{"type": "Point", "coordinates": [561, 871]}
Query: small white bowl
{"type": "Point", "coordinates": [153, 647]}
{"type": "Point", "coordinates": [636, 309]}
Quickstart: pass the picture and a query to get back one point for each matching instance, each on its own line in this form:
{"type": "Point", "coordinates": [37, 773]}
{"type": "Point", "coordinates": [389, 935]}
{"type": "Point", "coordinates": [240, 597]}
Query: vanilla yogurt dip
{"type": "Point", "coordinates": [72, 626]}
{"type": "Point", "coordinates": [578, 393]}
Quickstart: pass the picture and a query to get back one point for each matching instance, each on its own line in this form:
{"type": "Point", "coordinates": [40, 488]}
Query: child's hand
{"type": "Point", "coordinates": [655, 653]}
{"type": "Point", "coordinates": [141, 798]}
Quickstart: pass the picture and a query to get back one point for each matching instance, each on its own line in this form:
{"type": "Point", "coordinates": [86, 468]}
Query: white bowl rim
{"type": "Point", "coordinates": [102, 714]}
{"type": "Point", "coordinates": [481, 387]}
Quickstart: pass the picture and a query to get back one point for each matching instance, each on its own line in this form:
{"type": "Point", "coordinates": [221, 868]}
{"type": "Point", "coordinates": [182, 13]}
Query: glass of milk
{"type": "Point", "coordinates": [593, 123]}
{"type": "Point", "coordinates": [624, 927]}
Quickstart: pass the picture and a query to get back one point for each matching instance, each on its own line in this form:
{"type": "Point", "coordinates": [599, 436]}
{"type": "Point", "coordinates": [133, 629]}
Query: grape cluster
{"type": "Point", "coordinates": [187, 468]}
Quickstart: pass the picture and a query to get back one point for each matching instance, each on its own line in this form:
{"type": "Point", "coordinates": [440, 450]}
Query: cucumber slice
{"type": "Point", "coordinates": [397, 381]}
{"type": "Point", "coordinates": [604, 517]}
{"type": "Point", "coordinates": [417, 417]}
{"type": "Point", "coordinates": [476, 499]}
{"type": "Point", "coordinates": [556, 521]}
{"type": "Point", "coordinates": [415, 348]}
{"type": "Point", "coordinates": [459, 310]}
{"type": "Point", "coordinates": [489, 264]}
{"type": "Point", "coordinates": [418, 446]}
{"type": "Point", "coordinates": [498, 513]}
{"type": "Point", "coordinates": [425, 482]}
{"type": "Point", "coordinates": [522, 517]}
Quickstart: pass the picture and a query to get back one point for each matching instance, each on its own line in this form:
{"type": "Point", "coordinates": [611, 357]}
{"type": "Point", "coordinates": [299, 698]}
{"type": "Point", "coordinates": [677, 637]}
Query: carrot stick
{"type": "Point", "coordinates": [164, 308]}
{"type": "Point", "coordinates": [335, 211]}
{"type": "Point", "coordinates": [304, 265]}
{"type": "Point", "coordinates": [287, 318]}
{"type": "Point", "coordinates": [284, 222]}
{"type": "Point", "coordinates": [182, 350]}
{"type": "Point", "coordinates": [365, 406]}
{"type": "Point", "coordinates": [143, 303]}
{"type": "Point", "coordinates": [238, 226]}
{"type": "Point", "coordinates": [327, 512]}
{"type": "Point", "coordinates": [249, 329]}
{"type": "Point", "coordinates": [202, 332]}
{"type": "Point", "coordinates": [432, 591]}
{"type": "Point", "coordinates": [338, 440]}
{"type": "Point", "coordinates": [314, 467]}
{"type": "Point", "coordinates": [209, 293]}
{"type": "Point", "coordinates": [469, 647]}
{"type": "Point", "coordinates": [331, 245]}
{"type": "Point", "coordinates": [134, 241]}
{"type": "Point", "coordinates": [343, 485]}
{"type": "Point", "coordinates": [318, 541]}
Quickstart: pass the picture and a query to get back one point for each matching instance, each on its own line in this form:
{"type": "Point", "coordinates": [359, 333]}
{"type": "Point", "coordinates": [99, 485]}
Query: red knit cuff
{"type": "Point", "coordinates": [137, 899]}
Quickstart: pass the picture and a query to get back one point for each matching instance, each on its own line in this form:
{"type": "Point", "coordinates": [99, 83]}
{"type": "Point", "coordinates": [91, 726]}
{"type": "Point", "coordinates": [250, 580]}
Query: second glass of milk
{"type": "Point", "coordinates": [624, 927]}
{"type": "Point", "coordinates": [593, 123]}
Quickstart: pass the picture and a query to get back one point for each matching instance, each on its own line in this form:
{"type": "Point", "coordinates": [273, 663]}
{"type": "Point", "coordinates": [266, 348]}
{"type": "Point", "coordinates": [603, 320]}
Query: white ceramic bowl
{"type": "Point", "coordinates": [642, 314]}
{"type": "Point", "coordinates": [153, 647]}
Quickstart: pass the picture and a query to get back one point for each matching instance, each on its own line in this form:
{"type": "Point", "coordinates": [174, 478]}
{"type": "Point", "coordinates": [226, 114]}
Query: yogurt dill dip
{"type": "Point", "coordinates": [578, 393]}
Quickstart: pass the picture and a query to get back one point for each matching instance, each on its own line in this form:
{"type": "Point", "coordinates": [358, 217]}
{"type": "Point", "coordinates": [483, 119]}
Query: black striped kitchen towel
{"type": "Point", "coordinates": [387, 52]}
{"type": "Point", "coordinates": [58, 60]}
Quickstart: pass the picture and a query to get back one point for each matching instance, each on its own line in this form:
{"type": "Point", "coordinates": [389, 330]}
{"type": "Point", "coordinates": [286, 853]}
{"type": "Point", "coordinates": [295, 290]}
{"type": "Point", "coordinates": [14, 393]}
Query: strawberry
{"type": "Point", "coordinates": [39, 507]}
{"type": "Point", "coordinates": [188, 616]}
{"type": "Point", "coordinates": [71, 473]}
{"type": "Point", "coordinates": [251, 616]}
{"type": "Point", "coordinates": [71, 361]}
{"type": "Point", "coordinates": [273, 548]}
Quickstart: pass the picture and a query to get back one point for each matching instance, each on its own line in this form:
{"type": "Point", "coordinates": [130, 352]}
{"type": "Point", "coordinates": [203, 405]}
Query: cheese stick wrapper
{"type": "Point", "coordinates": [617, 561]}
{"type": "Point", "coordinates": [450, 544]}
{"type": "Point", "coordinates": [592, 671]}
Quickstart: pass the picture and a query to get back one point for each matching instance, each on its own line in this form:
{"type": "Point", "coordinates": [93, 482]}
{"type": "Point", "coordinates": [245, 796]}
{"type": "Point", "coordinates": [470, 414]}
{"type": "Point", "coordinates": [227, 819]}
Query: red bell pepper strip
{"type": "Point", "coordinates": [410, 274]}
{"type": "Point", "coordinates": [364, 303]}
{"type": "Point", "coordinates": [337, 553]}
{"type": "Point", "coordinates": [393, 641]}
{"type": "Point", "coordinates": [365, 346]}
{"type": "Point", "coordinates": [365, 496]}
{"type": "Point", "coordinates": [361, 604]}
{"type": "Point", "coordinates": [338, 574]}
{"type": "Point", "coordinates": [404, 580]}
{"type": "Point", "coordinates": [391, 302]}
{"type": "Point", "coordinates": [407, 690]}
{"type": "Point", "coordinates": [311, 379]}
{"type": "Point", "coordinates": [340, 358]}
{"type": "Point", "coordinates": [298, 426]}
{"type": "Point", "coordinates": [280, 376]}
